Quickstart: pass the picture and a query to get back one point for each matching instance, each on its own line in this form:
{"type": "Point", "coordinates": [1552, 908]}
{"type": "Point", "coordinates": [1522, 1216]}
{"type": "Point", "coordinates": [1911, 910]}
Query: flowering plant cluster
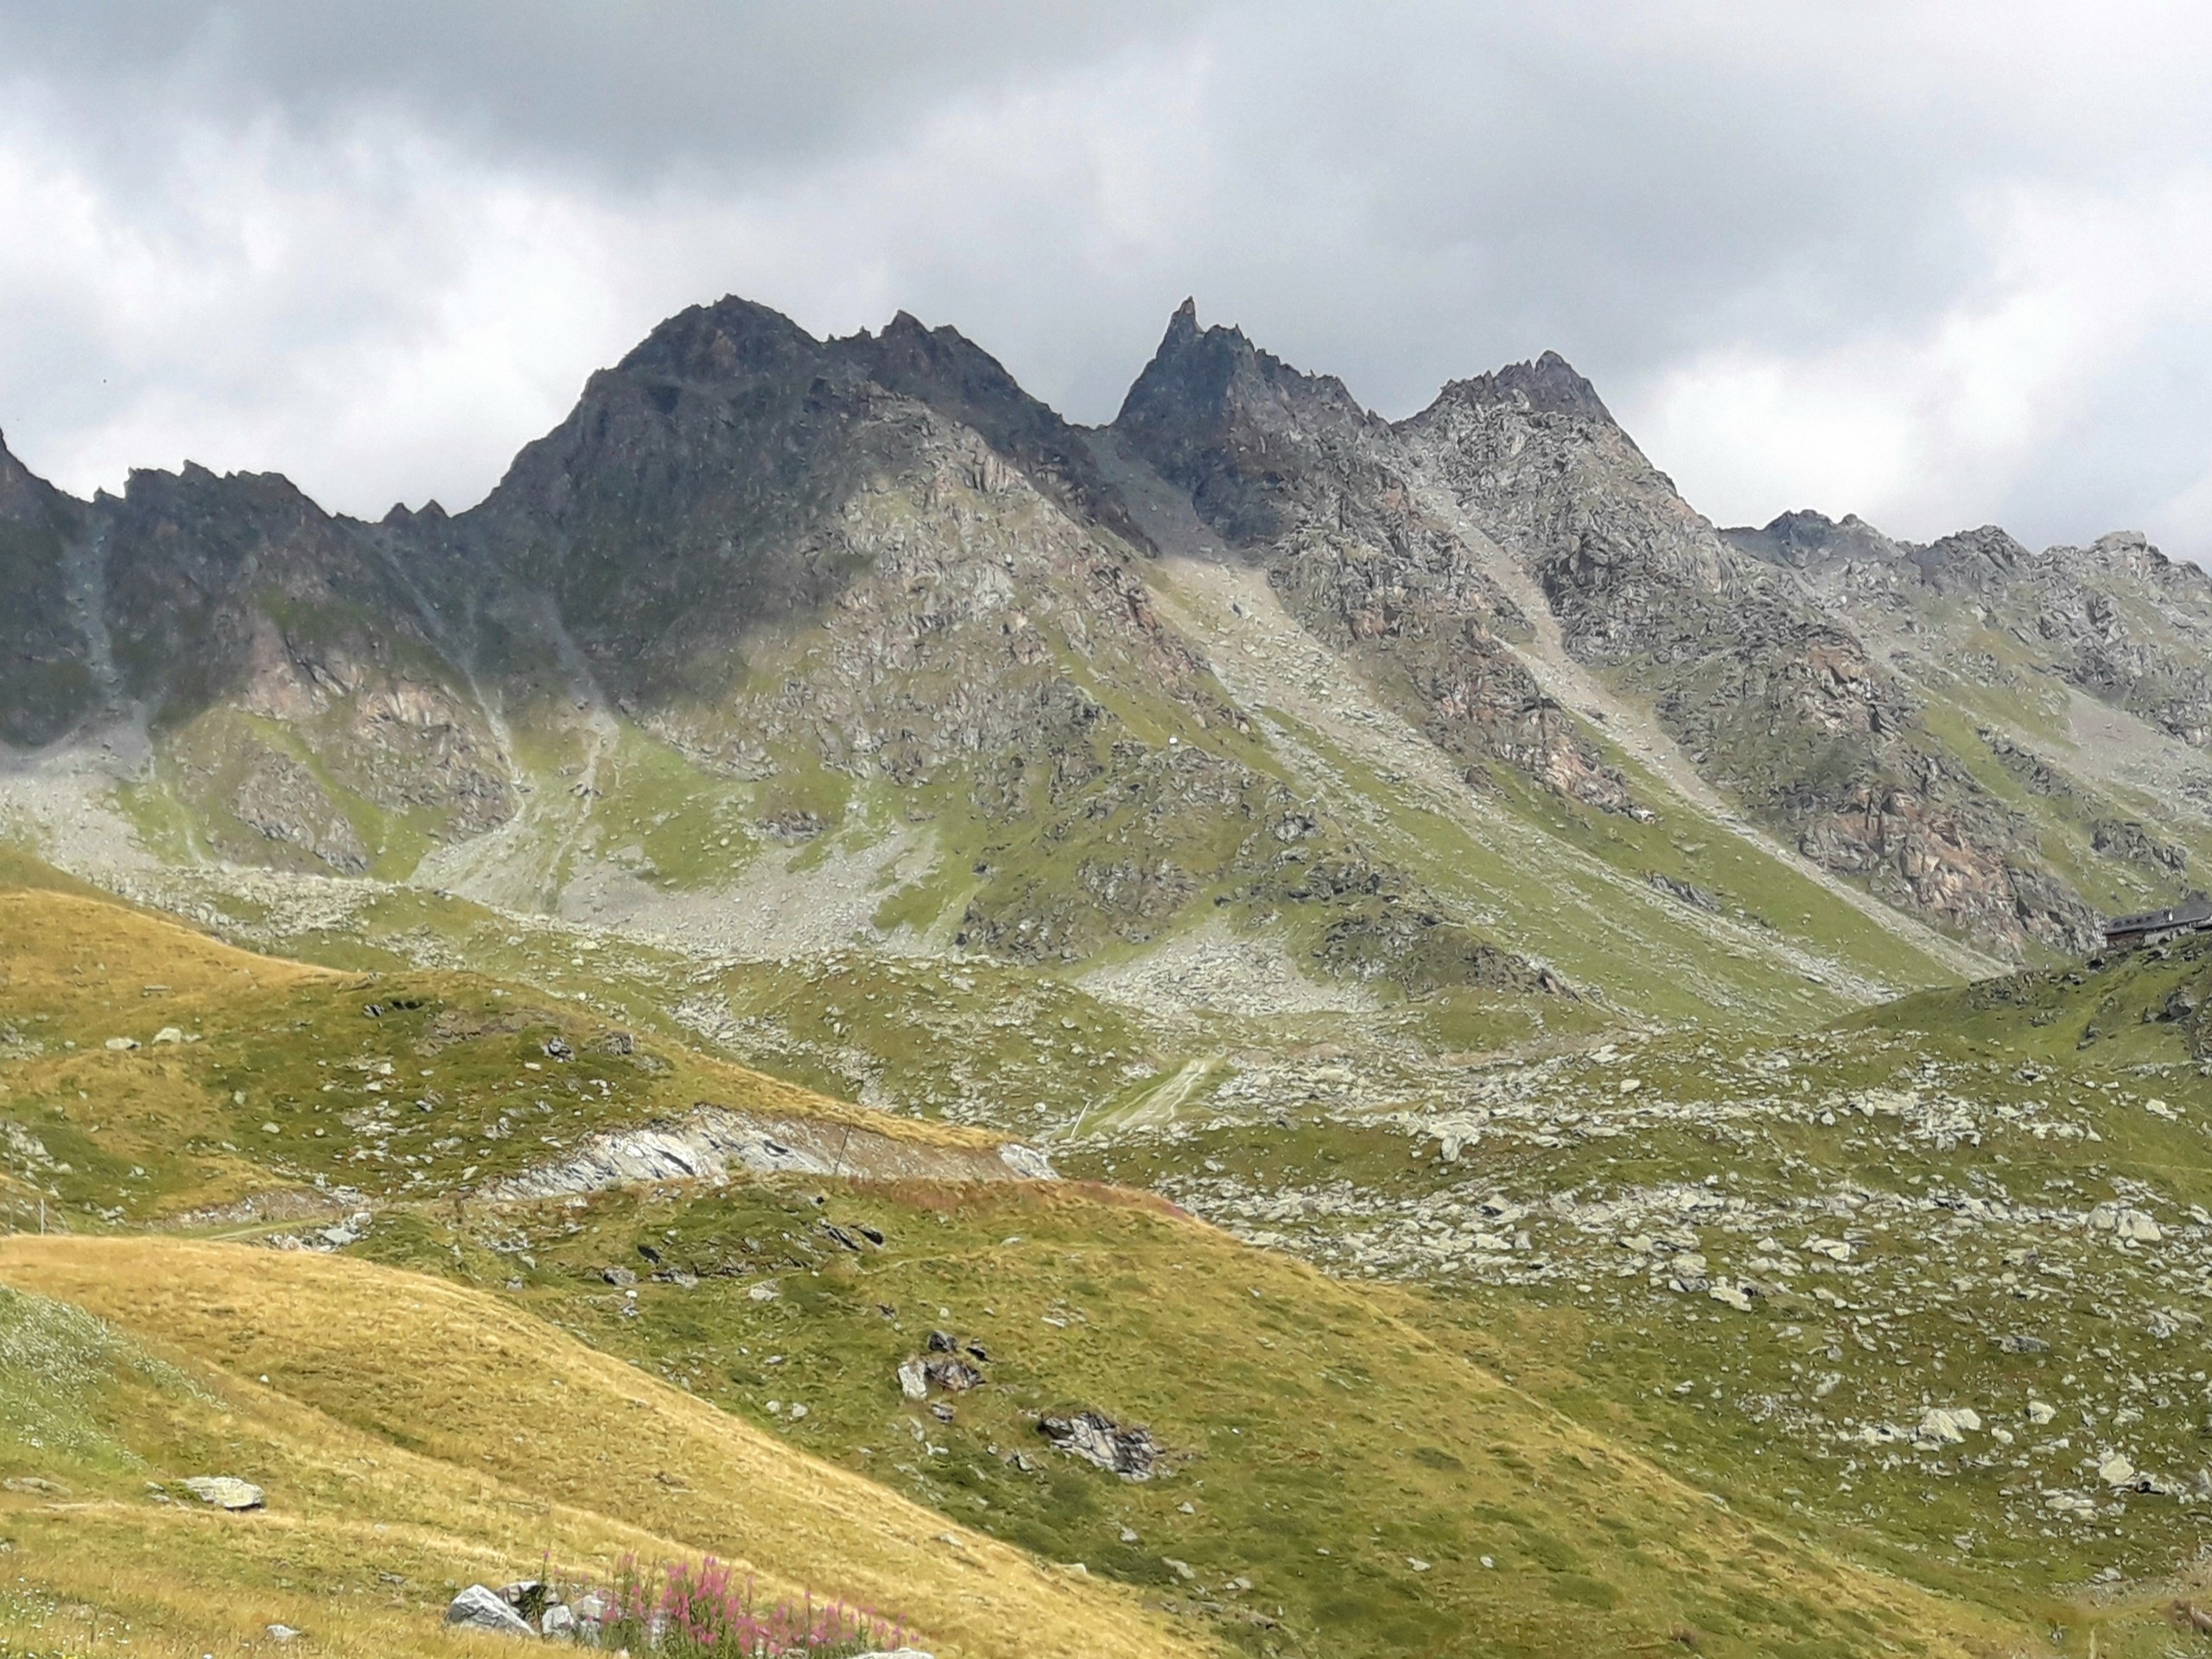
{"type": "Point", "coordinates": [704, 1611]}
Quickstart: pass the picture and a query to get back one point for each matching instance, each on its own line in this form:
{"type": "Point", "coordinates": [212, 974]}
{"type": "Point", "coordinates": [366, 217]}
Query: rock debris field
{"type": "Point", "coordinates": [1957, 1272]}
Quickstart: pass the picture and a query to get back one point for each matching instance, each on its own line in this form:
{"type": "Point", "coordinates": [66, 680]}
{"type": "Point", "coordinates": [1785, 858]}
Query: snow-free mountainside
{"type": "Point", "coordinates": [1253, 1029]}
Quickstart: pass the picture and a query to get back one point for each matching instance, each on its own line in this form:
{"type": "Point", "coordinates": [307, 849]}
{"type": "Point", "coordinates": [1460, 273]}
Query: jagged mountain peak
{"type": "Point", "coordinates": [1219, 367]}
{"type": "Point", "coordinates": [1235, 425]}
{"type": "Point", "coordinates": [1805, 539]}
{"type": "Point", "coordinates": [730, 338]}
{"type": "Point", "coordinates": [2130, 553]}
{"type": "Point", "coordinates": [25, 498]}
{"type": "Point", "coordinates": [1548, 385]}
{"type": "Point", "coordinates": [942, 368]}
{"type": "Point", "coordinates": [1974, 558]}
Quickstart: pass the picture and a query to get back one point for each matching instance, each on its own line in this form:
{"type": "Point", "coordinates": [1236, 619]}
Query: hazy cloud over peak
{"type": "Point", "coordinates": [1937, 264]}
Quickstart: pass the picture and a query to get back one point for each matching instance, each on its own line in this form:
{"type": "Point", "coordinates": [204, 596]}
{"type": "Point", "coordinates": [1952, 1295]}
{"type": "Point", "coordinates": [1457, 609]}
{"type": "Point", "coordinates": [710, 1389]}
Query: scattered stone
{"type": "Point", "coordinates": [913, 1379]}
{"type": "Point", "coordinates": [120, 1044]}
{"type": "Point", "coordinates": [1027, 1162]}
{"type": "Point", "coordinates": [279, 1633]}
{"type": "Point", "coordinates": [1738, 1296]}
{"type": "Point", "coordinates": [1948, 1426]}
{"type": "Point", "coordinates": [480, 1609]}
{"type": "Point", "coordinates": [1131, 1453]}
{"type": "Point", "coordinates": [558, 1623]}
{"type": "Point", "coordinates": [2116, 1470]}
{"type": "Point", "coordinates": [2015, 1343]}
{"type": "Point", "coordinates": [2126, 1222]}
{"type": "Point", "coordinates": [35, 1485]}
{"type": "Point", "coordinates": [1687, 892]}
{"type": "Point", "coordinates": [953, 1375]}
{"type": "Point", "coordinates": [226, 1492]}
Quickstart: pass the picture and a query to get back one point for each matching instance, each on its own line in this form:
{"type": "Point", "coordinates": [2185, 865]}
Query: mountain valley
{"type": "Point", "coordinates": [1553, 1063]}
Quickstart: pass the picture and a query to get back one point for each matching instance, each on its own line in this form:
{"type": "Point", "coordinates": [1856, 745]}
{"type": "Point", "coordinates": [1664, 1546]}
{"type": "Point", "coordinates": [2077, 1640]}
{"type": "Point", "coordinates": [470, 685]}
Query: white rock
{"type": "Point", "coordinates": [480, 1609]}
{"type": "Point", "coordinates": [1949, 1424]}
{"type": "Point", "coordinates": [558, 1622]}
{"type": "Point", "coordinates": [2115, 1471]}
{"type": "Point", "coordinates": [1732, 1295]}
{"type": "Point", "coordinates": [766, 1291]}
{"type": "Point", "coordinates": [119, 1044]}
{"type": "Point", "coordinates": [168, 1034]}
{"type": "Point", "coordinates": [1027, 1162]}
{"type": "Point", "coordinates": [2041, 1411]}
{"type": "Point", "coordinates": [226, 1492]}
{"type": "Point", "coordinates": [913, 1380]}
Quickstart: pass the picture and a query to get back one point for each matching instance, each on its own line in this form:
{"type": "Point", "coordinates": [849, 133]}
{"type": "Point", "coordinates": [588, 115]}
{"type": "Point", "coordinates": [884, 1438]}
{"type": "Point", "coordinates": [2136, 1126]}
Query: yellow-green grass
{"type": "Point", "coordinates": [1337, 1475]}
{"type": "Point", "coordinates": [289, 1078]}
{"type": "Point", "coordinates": [413, 1436]}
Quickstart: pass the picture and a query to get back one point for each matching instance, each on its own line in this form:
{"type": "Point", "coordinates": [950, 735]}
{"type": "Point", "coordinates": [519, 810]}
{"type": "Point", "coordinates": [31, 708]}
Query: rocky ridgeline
{"type": "Point", "coordinates": [760, 573]}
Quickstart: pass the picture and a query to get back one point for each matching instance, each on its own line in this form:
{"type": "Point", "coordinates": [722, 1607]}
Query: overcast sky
{"type": "Point", "coordinates": [1939, 264]}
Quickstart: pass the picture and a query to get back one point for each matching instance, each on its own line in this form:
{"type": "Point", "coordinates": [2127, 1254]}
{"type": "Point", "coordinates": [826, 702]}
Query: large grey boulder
{"type": "Point", "coordinates": [226, 1491]}
{"type": "Point", "coordinates": [479, 1608]}
{"type": "Point", "coordinates": [1132, 1453]}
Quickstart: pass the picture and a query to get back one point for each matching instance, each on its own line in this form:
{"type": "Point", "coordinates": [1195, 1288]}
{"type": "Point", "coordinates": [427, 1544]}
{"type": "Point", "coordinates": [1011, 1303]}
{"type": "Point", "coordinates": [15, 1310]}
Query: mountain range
{"type": "Point", "coordinates": [1065, 693]}
{"type": "Point", "coordinates": [1253, 1030]}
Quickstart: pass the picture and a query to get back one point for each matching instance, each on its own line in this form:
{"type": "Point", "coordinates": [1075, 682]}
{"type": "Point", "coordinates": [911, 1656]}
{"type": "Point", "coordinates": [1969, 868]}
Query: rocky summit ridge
{"type": "Point", "coordinates": [866, 600]}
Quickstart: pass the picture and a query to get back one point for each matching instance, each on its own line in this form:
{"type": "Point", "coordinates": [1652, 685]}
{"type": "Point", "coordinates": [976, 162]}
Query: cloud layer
{"type": "Point", "coordinates": [1938, 265]}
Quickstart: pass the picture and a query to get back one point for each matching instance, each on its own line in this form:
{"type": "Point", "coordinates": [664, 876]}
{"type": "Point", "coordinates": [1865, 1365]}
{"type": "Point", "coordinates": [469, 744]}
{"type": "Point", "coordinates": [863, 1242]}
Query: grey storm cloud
{"type": "Point", "coordinates": [622, 90]}
{"type": "Point", "coordinates": [1932, 263]}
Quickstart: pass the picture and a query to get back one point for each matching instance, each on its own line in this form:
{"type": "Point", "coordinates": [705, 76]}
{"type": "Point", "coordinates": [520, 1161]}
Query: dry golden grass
{"type": "Point", "coordinates": [410, 1419]}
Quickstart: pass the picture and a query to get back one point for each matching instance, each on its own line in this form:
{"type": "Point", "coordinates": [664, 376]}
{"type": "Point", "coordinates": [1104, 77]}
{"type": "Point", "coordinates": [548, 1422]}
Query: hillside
{"type": "Point", "coordinates": [1273, 1392]}
{"type": "Point", "coordinates": [412, 1437]}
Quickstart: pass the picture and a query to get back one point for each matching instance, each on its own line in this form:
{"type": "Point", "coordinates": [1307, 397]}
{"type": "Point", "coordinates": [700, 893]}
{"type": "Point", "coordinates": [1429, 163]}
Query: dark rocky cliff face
{"type": "Point", "coordinates": [46, 683]}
